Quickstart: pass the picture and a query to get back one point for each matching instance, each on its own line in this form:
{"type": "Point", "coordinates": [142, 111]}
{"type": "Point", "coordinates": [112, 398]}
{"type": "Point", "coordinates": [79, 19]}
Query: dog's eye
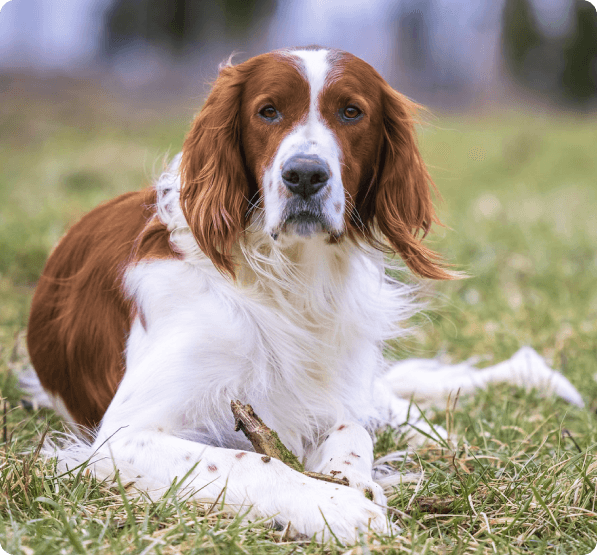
{"type": "Point", "coordinates": [268, 112]}
{"type": "Point", "coordinates": [351, 112]}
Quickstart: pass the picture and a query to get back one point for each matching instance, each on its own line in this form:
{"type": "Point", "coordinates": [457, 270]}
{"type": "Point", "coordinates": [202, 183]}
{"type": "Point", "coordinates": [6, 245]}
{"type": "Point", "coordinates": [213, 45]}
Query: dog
{"type": "Point", "coordinates": [254, 269]}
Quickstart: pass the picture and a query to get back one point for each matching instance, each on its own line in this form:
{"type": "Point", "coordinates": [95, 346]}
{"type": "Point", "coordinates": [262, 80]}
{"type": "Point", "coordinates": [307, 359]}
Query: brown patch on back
{"type": "Point", "coordinates": [79, 315]}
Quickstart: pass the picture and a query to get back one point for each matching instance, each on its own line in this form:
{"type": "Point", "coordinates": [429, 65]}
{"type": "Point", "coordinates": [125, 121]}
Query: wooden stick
{"type": "Point", "coordinates": [266, 441]}
{"type": "Point", "coordinates": [328, 478]}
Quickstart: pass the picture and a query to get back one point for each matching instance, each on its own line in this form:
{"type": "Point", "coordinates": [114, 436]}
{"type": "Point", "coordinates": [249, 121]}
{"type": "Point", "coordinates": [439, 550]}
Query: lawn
{"type": "Point", "coordinates": [520, 192]}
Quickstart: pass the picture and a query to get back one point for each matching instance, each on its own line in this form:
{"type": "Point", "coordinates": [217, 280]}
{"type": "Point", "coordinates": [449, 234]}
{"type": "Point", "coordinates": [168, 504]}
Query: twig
{"type": "Point", "coordinates": [266, 441]}
{"type": "Point", "coordinates": [327, 478]}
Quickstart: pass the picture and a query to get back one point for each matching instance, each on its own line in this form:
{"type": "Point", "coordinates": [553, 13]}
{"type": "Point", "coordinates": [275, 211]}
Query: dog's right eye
{"type": "Point", "coordinates": [269, 112]}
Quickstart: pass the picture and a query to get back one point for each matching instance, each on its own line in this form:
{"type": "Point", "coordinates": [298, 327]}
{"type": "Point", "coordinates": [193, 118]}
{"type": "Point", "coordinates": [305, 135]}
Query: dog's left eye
{"type": "Point", "coordinates": [351, 112]}
{"type": "Point", "coordinates": [268, 112]}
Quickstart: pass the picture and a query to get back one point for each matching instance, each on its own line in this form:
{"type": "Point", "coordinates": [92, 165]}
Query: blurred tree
{"type": "Point", "coordinates": [580, 54]}
{"type": "Point", "coordinates": [520, 35]}
{"type": "Point", "coordinates": [562, 67]}
{"type": "Point", "coordinates": [414, 35]}
{"type": "Point", "coordinates": [179, 24]}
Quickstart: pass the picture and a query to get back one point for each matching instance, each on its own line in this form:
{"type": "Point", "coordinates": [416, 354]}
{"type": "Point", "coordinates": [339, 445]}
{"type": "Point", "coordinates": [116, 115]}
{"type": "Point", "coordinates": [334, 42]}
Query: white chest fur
{"type": "Point", "coordinates": [304, 357]}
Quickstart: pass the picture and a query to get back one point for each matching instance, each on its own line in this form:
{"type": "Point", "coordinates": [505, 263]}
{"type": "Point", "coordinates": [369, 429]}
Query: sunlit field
{"type": "Point", "coordinates": [519, 199]}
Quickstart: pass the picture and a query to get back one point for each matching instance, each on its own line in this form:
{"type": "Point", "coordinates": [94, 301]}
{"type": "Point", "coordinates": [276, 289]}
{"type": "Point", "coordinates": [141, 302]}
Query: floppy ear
{"type": "Point", "coordinates": [403, 206]}
{"type": "Point", "coordinates": [214, 184]}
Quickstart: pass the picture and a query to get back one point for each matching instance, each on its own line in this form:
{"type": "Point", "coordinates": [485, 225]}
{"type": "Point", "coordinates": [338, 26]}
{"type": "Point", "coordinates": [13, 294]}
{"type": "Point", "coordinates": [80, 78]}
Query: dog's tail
{"type": "Point", "coordinates": [431, 381]}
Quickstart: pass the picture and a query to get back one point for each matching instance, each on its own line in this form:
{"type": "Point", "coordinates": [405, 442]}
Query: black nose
{"type": "Point", "coordinates": [305, 174]}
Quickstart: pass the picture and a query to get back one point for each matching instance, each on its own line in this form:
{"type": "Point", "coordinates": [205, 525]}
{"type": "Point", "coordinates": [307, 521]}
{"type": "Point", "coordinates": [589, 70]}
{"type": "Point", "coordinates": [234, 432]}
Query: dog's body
{"type": "Point", "coordinates": [253, 270]}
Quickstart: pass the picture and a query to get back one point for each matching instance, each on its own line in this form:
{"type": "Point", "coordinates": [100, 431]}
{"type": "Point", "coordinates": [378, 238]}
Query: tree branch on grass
{"type": "Point", "coordinates": [266, 441]}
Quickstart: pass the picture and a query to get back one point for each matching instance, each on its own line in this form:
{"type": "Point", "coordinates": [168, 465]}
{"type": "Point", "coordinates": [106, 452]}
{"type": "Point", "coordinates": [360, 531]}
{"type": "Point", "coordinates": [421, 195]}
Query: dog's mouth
{"type": "Point", "coordinates": [305, 224]}
{"type": "Point", "coordinates": [305, 218]}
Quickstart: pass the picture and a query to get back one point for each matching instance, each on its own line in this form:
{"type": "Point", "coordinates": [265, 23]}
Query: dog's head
{"type": "Point", "coordinates": [316, 142]}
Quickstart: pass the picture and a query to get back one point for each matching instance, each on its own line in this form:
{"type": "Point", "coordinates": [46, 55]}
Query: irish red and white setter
{"type": "Point", "coordinates": [254, 269]}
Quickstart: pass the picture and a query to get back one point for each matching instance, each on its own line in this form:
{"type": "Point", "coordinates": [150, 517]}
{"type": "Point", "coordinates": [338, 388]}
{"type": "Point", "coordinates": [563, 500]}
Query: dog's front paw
{"type": "Point", "coordinates": [330, 510]}
{"type": "Point", "coordinates": [310, 507]}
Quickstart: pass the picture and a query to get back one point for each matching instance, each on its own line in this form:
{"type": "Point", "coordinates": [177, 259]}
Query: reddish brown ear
{"type": "Point", "coordinates": [403, 206]}
{"type": "Point", "coordinates": [214, 181]}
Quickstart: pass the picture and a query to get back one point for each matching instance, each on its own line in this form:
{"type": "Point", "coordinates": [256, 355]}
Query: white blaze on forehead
{"type": "Point", "coordinates": [316, 69]}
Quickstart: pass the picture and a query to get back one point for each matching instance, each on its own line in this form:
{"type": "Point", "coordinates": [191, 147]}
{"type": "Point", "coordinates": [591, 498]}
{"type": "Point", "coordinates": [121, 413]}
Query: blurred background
{"type": "Point", "coordinates": [96, 94]}
{"type": "Point", "coordinates": [445, 53]}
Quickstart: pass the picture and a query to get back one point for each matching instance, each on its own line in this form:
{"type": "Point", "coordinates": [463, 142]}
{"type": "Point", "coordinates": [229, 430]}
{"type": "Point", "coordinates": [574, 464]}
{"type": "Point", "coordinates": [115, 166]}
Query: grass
{"type": "Point", "coordinates": [520, 191]}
